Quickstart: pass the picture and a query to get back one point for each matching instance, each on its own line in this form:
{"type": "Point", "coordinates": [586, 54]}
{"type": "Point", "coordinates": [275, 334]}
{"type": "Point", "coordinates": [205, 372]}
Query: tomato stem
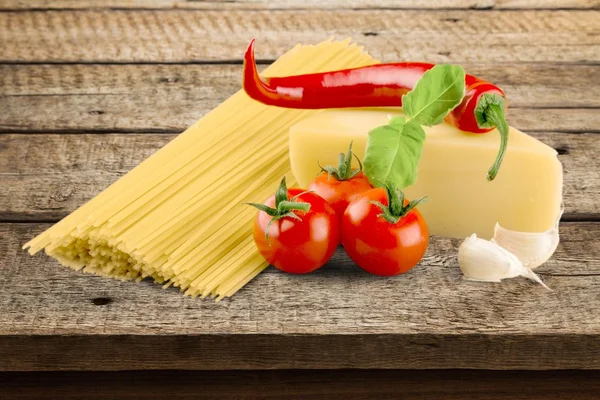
{"type": "Point", "coordinates": [344, 170]}
{"type": "Point", "coordinates": [284, 206]}
{"type": "Point", "coordinates": [396, 209]}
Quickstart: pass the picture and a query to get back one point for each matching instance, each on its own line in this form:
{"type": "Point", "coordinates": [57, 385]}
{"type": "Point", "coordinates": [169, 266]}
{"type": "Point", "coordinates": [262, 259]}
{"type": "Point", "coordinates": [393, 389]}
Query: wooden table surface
{"type": "Point", "coordinates": [88, 89]}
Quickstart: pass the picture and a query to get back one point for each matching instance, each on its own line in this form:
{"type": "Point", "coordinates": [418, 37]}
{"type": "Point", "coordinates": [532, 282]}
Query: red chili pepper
{"type": "Point", "coordinates": [381, 85]}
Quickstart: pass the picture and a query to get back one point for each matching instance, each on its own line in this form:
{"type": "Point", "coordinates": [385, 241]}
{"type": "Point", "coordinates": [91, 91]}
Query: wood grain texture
{"type": "Point", "coordinates": [168, 98]}
{"type": "Point", "coordinates": [45, 177]}
{"type": "Point", "coordinates": [526, 85]}
{"type": "Point", "coordinates": [338, 317]}
{"type": "Point", "coordinates": [304, 385]}
{"type": "Point", "coordinates": [198, 36]}
{"type": "Point", "coordinates": [295, 4]}
{"type": "Point", "coordinates": [52, 318]}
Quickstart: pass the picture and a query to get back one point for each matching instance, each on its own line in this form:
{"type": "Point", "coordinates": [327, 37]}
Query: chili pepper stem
{"type": "Point", "coordinates": [495, 115]}
{"type": "Point", "coordinates": [489, 113]}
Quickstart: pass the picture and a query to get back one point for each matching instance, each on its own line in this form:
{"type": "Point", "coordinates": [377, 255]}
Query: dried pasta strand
{"type": "Point", "coordinates": [179, 216]}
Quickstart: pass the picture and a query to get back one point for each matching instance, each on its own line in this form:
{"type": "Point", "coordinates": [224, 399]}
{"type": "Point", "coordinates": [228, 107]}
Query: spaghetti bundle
{"type": "Point", "coordinates": [179, 216]}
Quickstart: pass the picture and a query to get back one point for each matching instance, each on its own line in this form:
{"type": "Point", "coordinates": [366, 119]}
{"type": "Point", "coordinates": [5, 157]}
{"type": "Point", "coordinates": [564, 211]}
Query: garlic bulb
{"type": "Point", "coordinates": [482, 260]}
{"type": "Point", "coordinates": [531, 248]}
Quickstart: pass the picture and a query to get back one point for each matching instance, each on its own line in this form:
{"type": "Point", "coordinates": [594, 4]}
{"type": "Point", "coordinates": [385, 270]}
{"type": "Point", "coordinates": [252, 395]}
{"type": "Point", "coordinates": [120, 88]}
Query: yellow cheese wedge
{"type": "Point", "coordinates": [525, 196]}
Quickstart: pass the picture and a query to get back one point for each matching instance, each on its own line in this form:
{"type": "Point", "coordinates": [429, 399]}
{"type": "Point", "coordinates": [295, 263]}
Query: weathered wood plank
{"type": "Point", "coordinates": [45, 177]}
{"type": "Point", "coordinates": [295, 4]}
{"type": "Point", "coordinates": [427, 318]}
{"type": "Point", "coordinates": [173, 36]}
{"type": "Point", "coordinates": [526, 85]}
{"type": "Point", "coordinates": [304, 385]}
{"type": "Point", "coordinates": [570, 259]}
{"type": "Point", "coordinates": [171, 97]}
{"type": "Point", "coordinates": [90, 163]}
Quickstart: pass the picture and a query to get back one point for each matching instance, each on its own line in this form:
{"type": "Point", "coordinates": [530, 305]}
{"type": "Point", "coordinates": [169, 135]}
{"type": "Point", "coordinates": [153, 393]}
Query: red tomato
{"type": "Point", "coordinates": [300, 245]}
{"type": "Point", "coordinates": [377, 245]}
{"type": "Point", "coordinates": [340, 193]}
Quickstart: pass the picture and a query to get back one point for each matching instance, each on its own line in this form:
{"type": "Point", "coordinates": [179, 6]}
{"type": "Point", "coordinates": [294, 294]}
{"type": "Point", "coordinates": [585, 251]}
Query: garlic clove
{"type": "Point", "coordinates": [531, 248]}
{"type": "Point", "coordinates": [483, 260]}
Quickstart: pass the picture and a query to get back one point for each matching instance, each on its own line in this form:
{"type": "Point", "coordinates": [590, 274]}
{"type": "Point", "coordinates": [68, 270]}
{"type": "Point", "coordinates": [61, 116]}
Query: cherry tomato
{"type": "Point", "coordinates": [296, 240]}
{"type": "Point", "coordinates": [375, 242]}
{"type": "Point", "coordinates": [340, 193]}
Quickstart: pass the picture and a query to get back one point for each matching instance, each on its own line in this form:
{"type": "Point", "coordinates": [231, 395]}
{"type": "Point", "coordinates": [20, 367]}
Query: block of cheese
{"type": "Point", "coordinates": [525, 196]}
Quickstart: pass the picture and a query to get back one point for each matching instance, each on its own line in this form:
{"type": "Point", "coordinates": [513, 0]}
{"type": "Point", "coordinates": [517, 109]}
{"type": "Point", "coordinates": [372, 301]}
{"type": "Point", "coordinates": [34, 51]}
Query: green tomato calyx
{"type": "Point", "coordinates": [285, 207]}
{"type": "Point", "coordinates": [344, 170]}
{"type": "Point", "coordinates": [396, 210]}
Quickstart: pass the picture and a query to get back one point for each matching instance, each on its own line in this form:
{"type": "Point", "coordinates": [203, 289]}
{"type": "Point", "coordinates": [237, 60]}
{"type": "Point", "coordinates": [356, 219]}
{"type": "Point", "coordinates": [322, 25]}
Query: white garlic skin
{"type": "Point", "coordinates": [532, 249]}
{"type": "Point", "coordinates": [483, 260]}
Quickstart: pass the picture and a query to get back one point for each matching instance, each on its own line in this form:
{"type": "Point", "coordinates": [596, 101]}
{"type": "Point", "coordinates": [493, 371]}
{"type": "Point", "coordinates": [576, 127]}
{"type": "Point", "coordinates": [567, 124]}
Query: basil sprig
{"type": "Point", "coordinates": [394, 150]}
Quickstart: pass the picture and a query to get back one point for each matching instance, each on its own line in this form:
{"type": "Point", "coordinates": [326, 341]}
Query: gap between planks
{"type": "Point", "coordinates": [267, 61]}
{"type": "Point", "coordinates": [418, 5]}
{"type": "Point", "coordinates": [6, 129]}
{"type": "Point", "coordinates": [256, 9]}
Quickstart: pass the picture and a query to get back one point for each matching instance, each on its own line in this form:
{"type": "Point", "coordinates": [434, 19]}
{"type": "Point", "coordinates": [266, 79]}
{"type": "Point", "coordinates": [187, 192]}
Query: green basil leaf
{"type": "Point", "coordinates": [397, 122]}
{"type": "Point", "coordinates": [438, 91]}
{"type": "Point", "coordinates": [393, 153]}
